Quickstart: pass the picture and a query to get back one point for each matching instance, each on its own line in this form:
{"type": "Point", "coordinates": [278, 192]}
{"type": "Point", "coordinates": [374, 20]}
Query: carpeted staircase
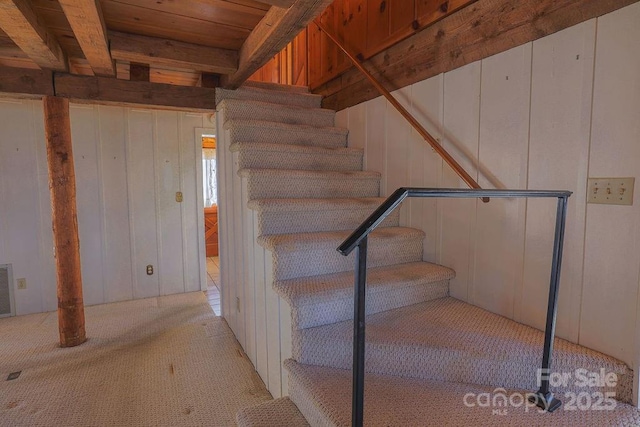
{"type": "Point", "coordinates": [429, 356]}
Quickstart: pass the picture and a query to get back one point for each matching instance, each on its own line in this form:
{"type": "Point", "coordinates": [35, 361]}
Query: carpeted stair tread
{"type": "Point", "coordinates": [280, 216]}
{"type": "Point", "coordinates": [275, 86]}
{"type": "Point", "coordinates": [245, 109]}
{"type": "Point", "coordinates": [290, 183]}
{"type": "Point", "coordinates": [449, 340]}
{"type": "Point", "coordinates": [310, 254]}
{"type": "Point", "coordinates": [325, 299]}
{"type": "Point", "coordinates": [323, 396]}
{"type": "Point", "coordinates": [284, 133]}
{"type": "Point", "coordinates": [301, 99]}
{"type": "Point", "coordinates": [280, 412]}
{"type": "Point", "coordinates": [262, 155]}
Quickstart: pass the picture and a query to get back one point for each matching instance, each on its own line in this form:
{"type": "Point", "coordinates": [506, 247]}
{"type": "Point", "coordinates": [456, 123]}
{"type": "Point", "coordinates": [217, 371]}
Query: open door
{"type": "Point", "coordinates": [210, 195]}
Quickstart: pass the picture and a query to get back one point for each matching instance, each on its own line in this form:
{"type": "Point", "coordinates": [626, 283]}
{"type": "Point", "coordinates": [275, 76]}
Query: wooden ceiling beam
{"type": "Point", "coordinates": [20, 22]}
{"type": "Point", "coordinates": [168, 53]}
{"type": "Point", "coordinates": [278, 27]}
{"type": "Point", "coordinates": [87, 23]}
{"type": "Point", "coordinates": [105, 90]}
{"type": "Point", "coordinates": [24, 81]}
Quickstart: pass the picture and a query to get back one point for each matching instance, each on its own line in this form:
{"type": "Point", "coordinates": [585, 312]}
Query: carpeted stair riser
{"type": "Point", "coordinates": [275, 97]}
{"type": "Point", "coordinates": [448, 340]}
{"type": "Point", "coordinates": [282, 216]}
{"type": "Point", "coordinates": [322, 300]}
{"type": "Point", "coordinates": [282, 133]}
{"type": "Point", "coordinates": [323, 396]}
{"type": "Point", "coordinates": [310, 254]}
{"type": "Point", "coordinates": [258, 155]}
{"type": "Point", "coordinates": [278, 184]}
{"type": "Point", "coordinates": [237, 109]}
{"type": "Point", "coordinates": [274, 413]}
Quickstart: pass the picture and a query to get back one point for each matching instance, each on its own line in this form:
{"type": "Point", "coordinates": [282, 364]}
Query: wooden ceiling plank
{"type": "Point", "coordinates": [214, 11]}
{"type": "Point", "coordinates": [271, 35]}
{"type": "Point", "coordinates": [169, 53]}
{"type": "Point", "coordinates": [153, 23]}
{"type": "Point", "coordinates": [87, 23]}
{"type": "Point", "coordinates": [19, 21]}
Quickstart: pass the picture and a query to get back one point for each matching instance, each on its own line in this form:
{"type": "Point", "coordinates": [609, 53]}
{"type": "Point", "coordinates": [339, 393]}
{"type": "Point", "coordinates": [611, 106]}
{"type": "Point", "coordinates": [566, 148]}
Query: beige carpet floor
{"type": "Point", "coordinates": [165, 361]}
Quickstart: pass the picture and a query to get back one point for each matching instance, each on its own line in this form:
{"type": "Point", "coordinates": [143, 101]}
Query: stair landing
{"type": "Point", "coordinates": [449, 340]}
{"type": "Point", "coordinates": [323, 395]}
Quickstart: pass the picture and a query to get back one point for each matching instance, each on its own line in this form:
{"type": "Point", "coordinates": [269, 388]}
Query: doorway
{"type": "Point", "coordinates": [207, 140]}
{"type": "Point", "coordinates": [210, 189]}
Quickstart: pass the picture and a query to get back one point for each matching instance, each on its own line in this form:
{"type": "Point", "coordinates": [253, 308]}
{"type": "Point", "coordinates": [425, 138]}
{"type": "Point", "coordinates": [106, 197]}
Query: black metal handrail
{"type": "Point", "coordinates": [358, 239]}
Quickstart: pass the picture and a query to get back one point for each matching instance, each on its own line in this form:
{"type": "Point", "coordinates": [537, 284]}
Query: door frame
{"type": "Point", "coordinates": [202, 251]}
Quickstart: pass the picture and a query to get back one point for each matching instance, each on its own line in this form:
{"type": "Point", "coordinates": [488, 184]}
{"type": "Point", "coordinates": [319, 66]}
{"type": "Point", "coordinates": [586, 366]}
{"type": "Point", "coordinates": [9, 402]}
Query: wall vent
{"type": "Point", "coordinates": [6, 291]}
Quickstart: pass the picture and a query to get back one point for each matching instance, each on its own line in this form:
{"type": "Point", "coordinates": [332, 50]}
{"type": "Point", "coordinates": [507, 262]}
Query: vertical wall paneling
{"type": "Point", "coordinates": [354, 26]}
{"type": "Point", "coordinates": [142, 206]}
{"type": "Point", "coordinates": [342, 118]}
{"type": "Point", "coordinates": [357, 125]}
{"type": "Point", "coordinates": [314, 42]}
{"type": "Point", "coordinates": [170, 249]}
{"type": "Point", "coordinates": [119, 161]}
{"type": "Point", "coordinates": [457, 218]}
{"type": "Point", "coordinates": [611, 265]}
{"type": "Point", "coordinates": [504, 133]}
{"type": "Point", "coordinates": [286, 343]}
{"type": "Point", "coordinates": [20, 211]}
{"type": "Point", "coordinates": [117, 264]}
{"type": "Point", "coordinates": [261, 362]}
{"type": "Point", "coordinates": [249, 306]}
{"type": "Point", "coordinates": [397, 150]}
{"type": "Point", "coordinates": [84, 135]}
{"type": "Point", "coordinates": [376, 133]}
{"type": "Point", "coordinates": [274, 383]}
{"type": "Point", "coordinates": [238, 233]}
{"type": "Point", "coordinates": [425, 166]}
{"type": "Point", "coordinates": [47, 267]}
{"type": "Point", "coordinates": [561, 95]}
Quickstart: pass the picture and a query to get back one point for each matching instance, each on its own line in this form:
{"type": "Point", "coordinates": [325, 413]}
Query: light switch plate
{"type": "Point", "coordinates": [610, 191]}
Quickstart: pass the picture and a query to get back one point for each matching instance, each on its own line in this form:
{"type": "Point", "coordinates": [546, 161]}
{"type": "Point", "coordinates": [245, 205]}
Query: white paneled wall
{"type": "Point", "coordinates": [544, 115]}
{"type": "Point", "coordinates": [129, 165]}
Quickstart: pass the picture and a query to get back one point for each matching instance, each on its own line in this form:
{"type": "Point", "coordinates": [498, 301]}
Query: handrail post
{"type": "Point", "coordinates": [543, 398]}
{"type": "Point", "coordinates": [360, 278]}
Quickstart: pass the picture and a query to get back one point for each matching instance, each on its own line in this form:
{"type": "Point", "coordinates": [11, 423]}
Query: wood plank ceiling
{"type": "Point", "coordinates": [179, 41]}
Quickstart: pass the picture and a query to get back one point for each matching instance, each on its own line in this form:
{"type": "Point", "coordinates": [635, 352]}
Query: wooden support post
{"type": "Point", "coordinates": [62, 185]}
